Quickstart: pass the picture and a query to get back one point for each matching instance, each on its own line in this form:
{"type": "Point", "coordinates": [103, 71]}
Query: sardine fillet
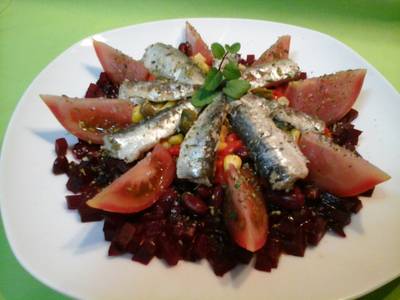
{"type": "Point", "coordinates": [197, 155]}
{"type": "Point", "coordinates": [131, 143]}
{"type": "Point", "coordinates": [276, 157]}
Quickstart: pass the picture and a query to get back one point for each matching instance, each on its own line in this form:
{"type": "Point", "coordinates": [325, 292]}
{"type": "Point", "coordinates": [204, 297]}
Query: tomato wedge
{"type": "Point", "coordinates": [90, 118]}
{"type": "Point", "coordinates": [245, 213]}
{"type": "Point", "coordinates": [338, 170]}
{"type": "Point", "coordinates": [198, 44]}
{"type": "Point", "coordinates": [140, 187]}
{"type": "Point", "coordinates": [279, 50]}
{"type": "Point", "coordinates": [330, 97]}
{"type": "Point", "coordinates": [118, 65]}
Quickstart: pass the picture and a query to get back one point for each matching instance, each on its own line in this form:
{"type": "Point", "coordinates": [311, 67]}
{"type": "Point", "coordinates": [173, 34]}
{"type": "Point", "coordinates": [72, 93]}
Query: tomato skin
{"type": "Point", "coordinates": [197, 43]}
{"type": "Point", "coordinates": [118, 65]}
{"type": "Point", "coordinates": [245, 213]}
{"type": "Point", "coordinates": [140, 187]}
{"type": "Point", "coordinates": [329, 97]}
{"type": "Point", "coordinates": [89, 118]}
{"type": "Point", "coordinates": [279, 50]}
{"type": "Point", "coordinates": [338, 170]}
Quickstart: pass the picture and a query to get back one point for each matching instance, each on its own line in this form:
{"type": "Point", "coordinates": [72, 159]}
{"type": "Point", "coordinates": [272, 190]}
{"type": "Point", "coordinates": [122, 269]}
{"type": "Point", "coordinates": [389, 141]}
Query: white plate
{"type": "Point", "coordinates": [71, 257]}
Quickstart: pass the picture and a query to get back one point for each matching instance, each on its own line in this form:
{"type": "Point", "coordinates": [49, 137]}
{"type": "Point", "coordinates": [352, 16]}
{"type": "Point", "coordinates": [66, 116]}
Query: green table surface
{"type": "Point", "coordinates": [33, 33]}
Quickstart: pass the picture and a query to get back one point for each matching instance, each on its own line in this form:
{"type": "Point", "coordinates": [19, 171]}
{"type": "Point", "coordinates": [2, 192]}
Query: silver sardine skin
{"type": "Point", "coordinates": [155, 91]}
{"type": "Point", "coordinates": [197, 154]}
{"type": "Point", "coordinates": [276, 156]}
{"type": "Point", "coordinates": [168, 62]}
{"type": "Point", "coordinates": [129, 144]}
{"type": "Point", "coordinates": [269, 73]}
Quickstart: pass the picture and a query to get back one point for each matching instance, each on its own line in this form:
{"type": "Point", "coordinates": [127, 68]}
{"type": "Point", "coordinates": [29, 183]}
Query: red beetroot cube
{"type": "Point", "coordinates": [145, 252]}
{"type": "Point", "coordinates": [124, 236]}
{"type": "Point", "coordinates": [61, 146]}
{"type": "Point", "coordinates": [89, 214]}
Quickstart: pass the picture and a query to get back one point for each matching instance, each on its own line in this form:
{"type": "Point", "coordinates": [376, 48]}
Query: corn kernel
{"type": "Point", "coordinates": [166, 145]}
{"type": "Point", "coordinates": [232, 159]}
{"type": "Point", "coordinates": [176, 139]}
{"type": "Point", "coordinates": [200, 61]}
{"type": "Point", "coordinates": [136, 114]}
{"type": "Point", "coordinates": [242, 67]}
{"type": "Point", "coordinates": [295, 133]}
{"type": "Point", "coordinates": [283, 101]}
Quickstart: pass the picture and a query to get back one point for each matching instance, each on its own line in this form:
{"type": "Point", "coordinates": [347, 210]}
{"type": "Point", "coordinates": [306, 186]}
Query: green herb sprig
{"type": "Point", "coordinates": [226, 79]}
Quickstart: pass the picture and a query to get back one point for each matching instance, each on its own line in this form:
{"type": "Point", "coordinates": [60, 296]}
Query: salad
{"type": "Point", "coordinates": [195, 152]}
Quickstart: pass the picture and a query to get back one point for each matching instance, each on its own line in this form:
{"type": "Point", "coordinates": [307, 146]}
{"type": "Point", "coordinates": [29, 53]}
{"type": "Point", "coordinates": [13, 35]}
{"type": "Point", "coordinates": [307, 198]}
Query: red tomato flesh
{"type": "Point", "coordinates": [197, 43]}
{"type": "Point", "coordinates": [329, 97]}
{"type": "Point", "coordinates": [118, 65]}
{"type": "Point", "coordinates": [279, 50]}
{"type": "Point", "coordinates": [140, 187]}
{"type": "Point", "coordinates": [91, 118]}
{"type": "Point", "coordinates": [338, 170]}
{"type": "Point", "coordinates": [245, 213]}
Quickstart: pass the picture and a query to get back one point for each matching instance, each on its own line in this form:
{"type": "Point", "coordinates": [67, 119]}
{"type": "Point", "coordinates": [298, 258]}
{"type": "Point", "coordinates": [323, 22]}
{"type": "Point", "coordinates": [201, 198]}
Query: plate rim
{"type": "Point", "coordinates": [20, 103]}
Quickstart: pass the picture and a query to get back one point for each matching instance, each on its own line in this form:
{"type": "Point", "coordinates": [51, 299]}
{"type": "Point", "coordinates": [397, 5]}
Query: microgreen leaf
{"type": "Point", "coordinates": [227, 47]}
{"type": "Point", "coordinates": [213, 80]}
{"type": "Point", "coordinates": [234, 48]}
{"type": "Point", "coordinates": [217, 50]}
{"type": "Point", "coordinates": [231, 71]}
{"type": "Point", "coordinates": [203, 97]}
{"type": "Point", "coordinates": [236, 88]}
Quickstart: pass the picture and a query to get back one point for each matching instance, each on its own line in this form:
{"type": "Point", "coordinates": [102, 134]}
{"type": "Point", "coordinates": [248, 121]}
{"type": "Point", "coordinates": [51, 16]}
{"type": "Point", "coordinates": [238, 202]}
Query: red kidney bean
{"type": "Point", "coordinates": [204, 192]}
{"type": "Point", "coordinates": [194, 203]}
{"type": "Point", "coordinates": [217, 196]}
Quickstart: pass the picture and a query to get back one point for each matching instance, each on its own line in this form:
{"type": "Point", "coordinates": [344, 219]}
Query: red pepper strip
{"type": "Point", "coordinates": [232, 137]}
{"type": "Point", "coordinates": [174, 150]}
{"type": "Point", "coordinates": [231, 147]}
{"type": "Point", "coordinates": [279, 92]}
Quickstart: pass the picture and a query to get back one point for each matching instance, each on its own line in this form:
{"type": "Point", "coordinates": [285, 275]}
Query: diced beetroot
{"type": "Point", "coordinates": [89, 214]}
{"type": "Point", "coordinates": [60, 165]}
{"type": "Point", "coordinates": [124, 236]}
{"type": "Point", "coordinates": [243, 256]}
{"type": "Point", "coordinates": [317, 231]}
{"type": "Point", "coordinates": [113, 250]}
{"type": "Point", "coordinates": [169, 250]}
{"type": "Point", "coordinates": [74, 201]}
{"type": "Point", "coordinates": [201, 246]}
{"type": "Point", "coordinates": [61, 146]}
{"type": "Point", "coordinates": [154, 228]}
{"type": "Point", "coordinates": [296, 245]}
{"type": "Point", "coordinates": [268, 256]}
{"type": "Point", "coordinates": [222, 264]}
{"type": "Point", "coordinates": [94, 91]}
{"type": "Point", "coordinates": [293, 201]}
{"type": "Point", "coordinates": [111, 225]}
{"type": "Point", "coordinates": [145, 252]}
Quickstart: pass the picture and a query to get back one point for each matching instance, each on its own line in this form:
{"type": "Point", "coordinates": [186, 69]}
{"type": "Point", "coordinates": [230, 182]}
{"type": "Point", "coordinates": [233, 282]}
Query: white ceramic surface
{"type": "Point", "coordinates": [71, 257]}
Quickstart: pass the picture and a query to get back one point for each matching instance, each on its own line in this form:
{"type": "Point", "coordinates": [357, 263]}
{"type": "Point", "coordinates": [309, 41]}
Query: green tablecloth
{"type": "Point", "coordinates": [32, 33]}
